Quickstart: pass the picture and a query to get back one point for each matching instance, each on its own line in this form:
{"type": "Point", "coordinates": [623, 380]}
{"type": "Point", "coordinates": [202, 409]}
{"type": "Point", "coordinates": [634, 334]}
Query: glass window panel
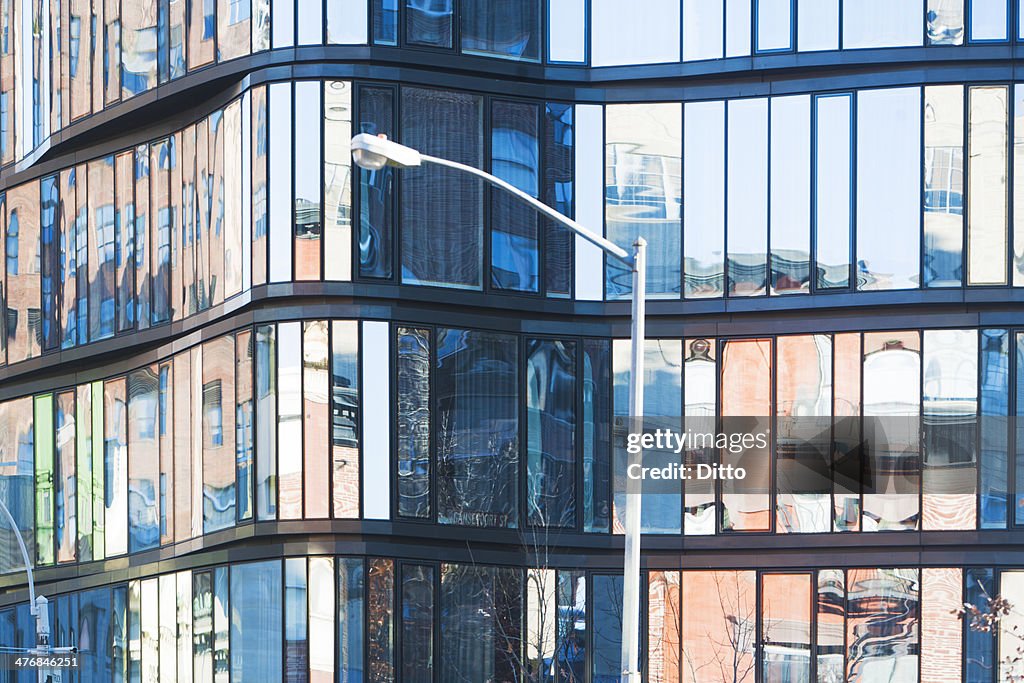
{"type": "Point", "coordinates": [221, 627]}
{"type": "Point", "coordinates": [607, 621]}
{"type": "Point", "coordinates": [218, 416]}
{"type": "Point", "coordinates": [256, 622]}
{"type": "Point", "coordinates": [1011, 585]}
{"type": "Point", "coordinates": [748, 196]}
{"type": "Point", "coordinates": [790, 201]}
{"type": "Point", "coordinates": [596, 434]}
{"type": "Point", "coordinates": [198, 399]}
{"type": "Point", "coordinates": [376, 189]}
{"type": "Point", "coordinates": [551, 432]}
{"type": "Point", "coordinates": [280, 210]}
{"type": "Point", "coordinates": [663, 394]}
{"type": "Point", "coordinates": [182, 446]}
{"type": "Point", "coordinates": [558, 192]}
{"type": "Point", "coordinates": [345, 412]}
{"type": "Point", "coordinates": [989, 19]}
{"type": "Point", "coordinates": [888, 187]}
{"type": "Point", "coordinates": [144, 242]}
{"type": "Point", "coordinates": [17, 476]}
{"type": "Point", "coordinates": [102, 249]}
{"type": "Point", "coordinates": [184, 613]}
{"type": "Point", "coordinates": [945, 22]}
{"type": "Point", "coordinates": [296, 625]}
{"type": "Point", "coordinates": [643, 192]}
{"type": "Point", "coordinates": [417, 623]}
{"type": "Point", "coordinates": [429, 22]}
{"type": "Point", "coordinates": [786, 628]}
{"type": "Point", "coordinates": [95, 632]}
{"type": "Point", "coordinates": [979, 647]}
{"type": "Point", "coordinates": [321, 619]}
{"type": "Point", "coordinates": [541, 624]}
{"type": "Point", "coordinates": [201, 33]}
{"type": "Point", "coordinates": [246, 207]}
{"type": "Point", "coordinates": [337, 180]}
{"type": "Point", "coordinates": [49, 255]}
{"type": "Point", "coordinates": [950, 422]}
{"type": "Point", "coordinates": [79, 66]}
{"type": "Point", "coordinates": [413, 422]}
{"type": "Point", "coordinates": [180, 266]}
{"type": "Point", "coordinates": [260, 25]}
{"type": "Point", "coordinates": [704, 188]}
{"type": "Point", "coordinates": [315, 389]}
{"type": "Point", "coordinates": [380, 633]}
{"type": "Point", "coordinates": [663, 626]}
{"type": "Point", "coordinates": [259, 151]}
{"type": "Point", "coordinates": [442, 210]}
{"type": "Point", "coordinates": [110, 63]}
{"type": "Point", "coordinates": [229, 180]}
{"type": "Point", "coordinates": [385, 22]}
{"type": "Point", "coordinates": [44, 477]}
{"type": "Point", "coordinates": [165, 429]}
{"type": "Point", "coordinates": [1018, 183]}
{"type": "Point", "coordinates": [93, 464]}
{"type": "Point", "coordinates": [202, 627]}
{"type": "Point", "coordinates": [176, 39]}
{"type": "Point", "coordinates": [883, 610]}
{"type": "Point", "coordinates": [244, 423]}
{"type": "Point", "coordinates": [139, 39]}
{"type": "Point", "coordinates": [168, 619]}
{"type": "Point", "coordinates": [882, 23]}
{"type": "Point", "coordinates": [737, 28]}
{"type": "Point", "coordinates": [73, 492]}
{"type": "Point", "coordinates": [124, 239]}
{"type": "Point", "coordinates": [830, 624]}
{"type": "Point", "coordinates": [802, 464]}
{"type": "Point", "coordinates": [567, 26]}
{"type": "Point", "coordinates": [507, 30]}
{"type": "Point", "coordinates": [987, 191]}
{"type": "Point", "coordinates": [82, 238]}
{"type": "Point", "coordinates": [847, 466]}
{"type": "Point", "coordinates": [233, 29]}
{"type": "Point", "coordinates": [22, 248]}
{"type": "Point", "coordinates": [719, 607]}
{"type": "Point", "coordinates": [346, 22]}
{"type": "Point", "coordinates": [700, 406]}
{"type": "Point", "coordinates": [746, 394]}
{"type": "Point", "coordinates": [702, 30]}
{"type": "Point", "coordinates": [266, 422]}
{"type": "Point", "coordinates": [943, 185]}
{"type": "Point", "coordinates": [631, 34]}
{"type": "Point", "coordinates": [995, 403]}
{"type": "Point", "coordinates": [941, 646]}
{"type": "Point", "coordinates": [134, 632]}
{"type": "Point", "coordinates": [143, 460]}
{"type": "Point", "coordinates": [150, 632]}
{"type": "Point", "coordinates": [817, 25]}
{"type": "Point", "coordinates": [350, 620]}
{"type": "Point", "coordinates": [892, 386]}
{"type": "Point", "coordinates": [477, 394]}
{"type": "Point", "coordinates": [833, 191]}
{"type": "Point", "coordinates": [774, 19]}
{"type": "Point", "coordinates": [115, 411]}
{"type": "Point", "coordinates": [481, 622]}
{"type": "Point", "coordinates": [68, 261]}
{"type": "Point", "coordinates": [289, 417]}
{"type": "Point", "coordinates": [207, 157]}
{"type": "Point", "coordinates": [515, 158]}
{"type": "Point", "coordinates": [308, 169]}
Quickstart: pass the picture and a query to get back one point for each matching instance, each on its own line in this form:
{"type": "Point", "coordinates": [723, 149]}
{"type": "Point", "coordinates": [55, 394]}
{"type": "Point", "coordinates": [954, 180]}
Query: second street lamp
{"type": "Point", "coordinates": [373, 153]}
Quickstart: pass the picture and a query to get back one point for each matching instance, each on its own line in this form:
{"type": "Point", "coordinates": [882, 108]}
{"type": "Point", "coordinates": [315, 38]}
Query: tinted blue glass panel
{"type": "Point", "coordinates": [376, 202]}
{"type": "Point", "coordinates": [256, 621]}
{"type": "Point", "coordinates": [979, 647]}
{"type": "Point", "coordinates": [50, 260]}
{"type": "Point", "coordinates": [557, 192]}
{"type": "Point", "coordinates": [607, 622]}
{"type": "Point", "coordinates": [350, 619]}
{"type": "Point", "coordinates": [515, 158]}
{"type": "Point", "coordinates": [551, 432]}
{"type": "Point", "coordinates": [995, 400]}
{"type": "Point", "coordinates": [502, 29]}
{"type": "Point", "coordinates": [429, 22]}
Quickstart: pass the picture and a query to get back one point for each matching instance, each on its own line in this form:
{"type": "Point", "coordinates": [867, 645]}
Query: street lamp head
{"type": "Point", "coordinates": [374, 152]}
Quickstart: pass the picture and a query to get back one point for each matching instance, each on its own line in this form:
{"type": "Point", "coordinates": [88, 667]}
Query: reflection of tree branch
{"type": "Point", "coordinates": [733, 656]}
{"type": "Point", "coordinates": [988, 620]}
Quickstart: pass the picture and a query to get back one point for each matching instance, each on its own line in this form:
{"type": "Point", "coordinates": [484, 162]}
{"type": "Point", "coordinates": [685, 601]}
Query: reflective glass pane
{"type": "Point", "coordinates": [883, 625]}
{"type": "Point", "coordinates": [321, 619]}
{"type": "Point", "coordinates": [385, 22]}
{"type": "Point", "coordinates": [79, 67]}
{"type": "Point", "coordinates": [719, 607]}
{"type": "Point", "coordinates": [596, 434]}
{"type": "Point", "coordinates": [337, 173]}
{"type": "Point", "coordinates": [176, 36]}
{"type": "Point", "coordinates": [774, 19]}
{"type": "Point", "coordinates": [49, 256]}
{"type": "Point", "coordinates": [847, 460]}
{"type": "Point", "coordinates": [888, 187]}
{"type": "Point", "coordinates": [567, 31]}
{"type": "Point", "coordinates": [376, 189]}
{"type": "Point", "coordinates": [64, 476]}
{"type": "Point", "coordinates": [350, 619]}
{"type": "Point", "coordinates": [979, 647]}
{"type": "Point", "coordinates": [621, 33]}
{"type": "Point", "coordinates": [139, 39]}
{"type": "Point", "coordinates": [22, 247]}
{"type": "Point", "coordinates": [737, 28]}
{"type": "Point", "coordinates": [229, 180]}
{"type": "Point", "coordinates": [380, 616]}
{"type": "Point", "coordinates": [43, 459]}
{"type": "Point", "coordinates": [746, 394]}
{"type": "Point", "coordinates": [143, 460]}
{"type": "Point", "coordinates": [260, 25]}
{"type": "Point", "coordinates": [345, 413]}
{"type": "Point", "coordinates": [266, 422]}
{"type": "Point", "coordinates": [790, 200]}
{"type": "Point", "coordinates": [702, 30]}
{"type": "Point", "coordinates": [817, 25]}
{"type": "Point", "coordinates": [218, 423]}
{"type": "Point", "coordinates": [124, 239]}
{"type": "Point", "coordinates": [165, 427]}
{"type": "Point", "coordinates": [182, 371]}
{"type": "Point", "coordinates": [950, 420]}
{"type": "Point", "coordinates": [417, 656]}
{"type": "Point", "coordinates": [233, 29]}
{"type": "Point", "coordinates": [255, 620]}
{"type": "Point", "coordinates": [704, 178]}
{"type": "Point", "coordinates": [315, 419]}
{"type": "Point", "coordinates": [786, 628]}
{"type": "Point", "coordinates": [145, 241]}
{"type": "Point", "coordinates": [280, 210]}
{"type": "Point", "coordinates": [413, 422]}
{"type": "Point", "coordinates": [201, 33]}
{"type": "Point", "coordinates": [748, 196]}
{"type": "Point", "coordinates": [643, 193]}
{"type": "Point", "coordinates": [987, 190]}
{"type": "Point", "coordinates": [945, 22]}
{"type": "Point", "coordinates": [258, 150]}
{"type": "Point", "coordinates": [296, 624]}
{"type": "Point", "coordinates": [551, 432]}
{"type": "Point", "coordinates": [289, 418]}
{"type": "Point", "coordinates": [115, 410]}
{"type": "Point", "coordinates": [830, 625]}
{"type": "Point", "coordinates": [943, 185]}
{"type": "Point", "coordinates": [477, 431]}
{"type": "Point", "coordinates": [442, 209]}
{"type": "Point", "coordinates": [244, 423]}
{"type": "Point", "coordinates": [833, 191]}
{"type": "Point", "coordinates": [102, 249]}
{"type": "Point", "coordinates": [346, 22]}
{"type": "Point", "coordinates": [989, 19]}
{"type": "Point", "coordinates": [202, 627]}
{"type": "Point", "coordinates": [558, 191]}
{"type": "Point", "coordinates": [882, 23]}
{"type": "Point", "coordinates": [508, 30]}
{"type": "Point", "coordinates": [892, 401]}
{"type": "Point", "coordinates": [67, 261]}
{"type": "Point", "coordinates": [429, 22]}
{"type": "Point", "coordinates": [607, 623]}
{"type": "Point", "coordinates": [17, 477]}
{"type": "Point", "coordinates": [1018, 184]}
{"type": "Point", "coordinates": [993, 424]}
{"type": "Point", "coordinates": [515, 158]}
{"type": "Point", "coordinates": [941, 641]}
{"type": "Point", "coordinates": [663, 626]}
{"type": "Point", "coordinates": [308, 231]}
{"type": "Point", "coordinates": [700, 406]}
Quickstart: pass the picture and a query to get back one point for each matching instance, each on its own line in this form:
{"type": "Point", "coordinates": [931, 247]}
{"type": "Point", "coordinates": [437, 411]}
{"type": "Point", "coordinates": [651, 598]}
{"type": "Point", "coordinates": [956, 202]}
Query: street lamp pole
{"type": "Point", "coordinates": [373, 153]}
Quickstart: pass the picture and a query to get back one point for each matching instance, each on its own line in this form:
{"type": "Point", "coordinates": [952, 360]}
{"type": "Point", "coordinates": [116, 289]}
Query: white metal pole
{"type": "Point", "coordinates": [631, 569]}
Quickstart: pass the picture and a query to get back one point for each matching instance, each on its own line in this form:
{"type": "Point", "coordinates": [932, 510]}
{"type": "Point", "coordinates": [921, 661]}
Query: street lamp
{"type": "Point", "coordinates": [37, 606]}
{"type": "Point", "coordinates": [374, 153]}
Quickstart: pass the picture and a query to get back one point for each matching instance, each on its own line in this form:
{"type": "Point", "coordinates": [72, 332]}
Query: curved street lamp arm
{"type": "Point", "coordinates": [24, 555]}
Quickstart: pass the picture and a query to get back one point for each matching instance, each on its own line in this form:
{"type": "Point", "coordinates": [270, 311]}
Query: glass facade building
{"type": "Point", "coordinates": [268, 416]}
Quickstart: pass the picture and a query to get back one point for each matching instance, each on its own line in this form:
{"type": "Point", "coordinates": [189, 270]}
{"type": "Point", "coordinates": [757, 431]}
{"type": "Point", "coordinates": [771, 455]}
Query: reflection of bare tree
{"type": "Point", "coordinates": [729, 652]}
{"type": "Point", "coordinates": [988, 620]}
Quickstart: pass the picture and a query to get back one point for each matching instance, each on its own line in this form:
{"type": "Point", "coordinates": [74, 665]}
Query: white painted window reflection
{"type": "Point", "coordinates": [282, 25]}
{"type": "Point", "coordinates": [987, 189]}
{"type": "Point", "coordinates": [635, 33]}
{"type": "Point", "coordinates": [882, 23]}
{"type": "Point", "coordinates": [567, 21]}
{"type": "Point", "coordinates": [888, 188]}
{"type": "Point", "coordinates": [347, 22]}
{"type": "Point", "coordinates": [702, 30]}
{"type": "Point", "coordinates": [737, 28]}
{"type": "Point", "coordinates": [817, 25]}
{"type": "Point", "coordinates": [988, 19]}
{"type": "Point", "coordinates": [774, 18]}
